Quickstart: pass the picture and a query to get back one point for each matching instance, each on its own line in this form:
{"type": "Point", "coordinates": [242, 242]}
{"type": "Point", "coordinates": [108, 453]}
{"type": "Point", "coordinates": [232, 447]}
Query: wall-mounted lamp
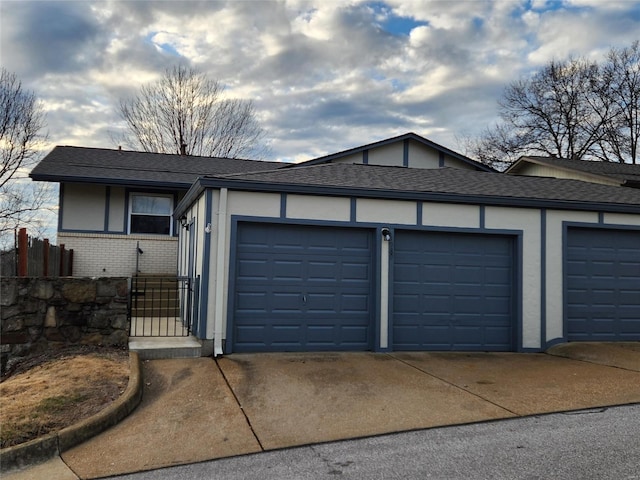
{"type": "Point", "coordinates": [386, 234]}
{"type": "Point", "coordinates": [183, 222]}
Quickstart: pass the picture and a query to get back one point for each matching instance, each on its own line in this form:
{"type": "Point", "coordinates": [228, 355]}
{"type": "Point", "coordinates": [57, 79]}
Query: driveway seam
{"type": "Point", "coordinates": [454, 385]}
{"type": "Point", "coordinates": [592, 362]}
{"type": "Point", "coordinates": [246, 417]}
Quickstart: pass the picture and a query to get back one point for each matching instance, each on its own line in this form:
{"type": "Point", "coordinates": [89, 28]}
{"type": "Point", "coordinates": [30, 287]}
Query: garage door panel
{"type": "Point", "coordinates": [460, 291]}
{"type": "Point", "coordinates": [315, 284]}
{"type": "Point", "coordinates": [602, 285]}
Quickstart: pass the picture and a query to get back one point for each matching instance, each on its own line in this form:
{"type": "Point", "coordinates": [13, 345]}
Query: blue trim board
{"type": "Point", "coordinates": [543, 278]}
{"type": "Point", "coordinates": [107, 207]}
{"type": "Point", "coordinates": [419, 215]}
{"type": "Point", "coordinates": [206, 266]}
{"type": "Point", "coordinates": [440, 159]}
{"type": "Point", "coordinates": [482, 216]}
{"type": "Point", "coordinates": [600, 217]}
{"type": "Point", "coordinates": [283, 205]}
{"type": "Point", "coordinates": [365, 157]}
{"type": "Point", "coordinates": [518, 293]}
{"type": "Point", "coordinates": [353, 212]}
{"type": "Point", "coordinates": [60, 206]}
{"type": "Point", "coordinates": [231, 290]}
{"type": "Point", "coordinates": [405, 153]}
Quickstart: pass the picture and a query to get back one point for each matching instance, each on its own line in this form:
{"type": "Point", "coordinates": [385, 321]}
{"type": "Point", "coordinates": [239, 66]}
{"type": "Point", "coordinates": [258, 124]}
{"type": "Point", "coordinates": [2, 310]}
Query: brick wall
{"type": "Point", "coordinates": [41, 313]}
{"type": "Point", "coordinates": [111, 255]}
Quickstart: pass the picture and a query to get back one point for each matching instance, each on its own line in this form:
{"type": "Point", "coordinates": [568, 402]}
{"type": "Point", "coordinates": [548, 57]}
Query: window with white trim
{"type": "Point", "coordinates": [149, 213]}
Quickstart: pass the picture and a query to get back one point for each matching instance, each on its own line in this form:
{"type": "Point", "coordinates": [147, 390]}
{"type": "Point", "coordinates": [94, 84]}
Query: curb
{"type": "Point", "coordinates": [44, 448]}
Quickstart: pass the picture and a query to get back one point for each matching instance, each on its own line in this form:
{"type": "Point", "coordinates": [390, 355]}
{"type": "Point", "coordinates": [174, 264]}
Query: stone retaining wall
{"type": "Point", "coordinates": [42, 313]}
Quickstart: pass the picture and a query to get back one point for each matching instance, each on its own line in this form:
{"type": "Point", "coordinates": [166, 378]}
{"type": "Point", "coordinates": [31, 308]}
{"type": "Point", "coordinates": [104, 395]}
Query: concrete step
{"type": "Point", "coordinates": [155, 348]}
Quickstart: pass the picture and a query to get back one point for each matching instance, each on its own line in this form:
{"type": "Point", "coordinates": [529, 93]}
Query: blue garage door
{"type": "Point", "coordinates": [302, 288]}
{"type": "Point", "coordinates": [602, 284]}
{"type": "Point", "coordinates": [453, 292]}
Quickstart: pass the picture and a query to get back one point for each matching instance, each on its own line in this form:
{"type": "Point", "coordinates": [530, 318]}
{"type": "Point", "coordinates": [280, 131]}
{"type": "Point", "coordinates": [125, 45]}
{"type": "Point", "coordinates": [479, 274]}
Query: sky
{"type": "Point", "coordinates": [324, 75]}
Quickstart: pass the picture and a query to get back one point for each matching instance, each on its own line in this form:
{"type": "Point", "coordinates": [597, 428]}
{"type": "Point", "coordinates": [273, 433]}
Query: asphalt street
{"type": "Point", "coordinates": [599, 444]}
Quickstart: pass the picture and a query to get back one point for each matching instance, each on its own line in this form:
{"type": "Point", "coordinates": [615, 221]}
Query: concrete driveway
{"type": "Point", "coordinates": [202, 409]}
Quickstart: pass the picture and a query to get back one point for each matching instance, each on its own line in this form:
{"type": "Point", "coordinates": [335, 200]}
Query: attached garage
{"type": "Point", "coordinates": [602, 284]}
{"type": "Point", "coordinates": [302, 288]}
{"type": "Point", "coordinates": [453, 291]}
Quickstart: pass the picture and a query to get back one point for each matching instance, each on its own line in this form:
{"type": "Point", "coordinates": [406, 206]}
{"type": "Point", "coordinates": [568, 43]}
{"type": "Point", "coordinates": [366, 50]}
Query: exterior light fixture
{"type": "Point", "coordinates": [386, 234]}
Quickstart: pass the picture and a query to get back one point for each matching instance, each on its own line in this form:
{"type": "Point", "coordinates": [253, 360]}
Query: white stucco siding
{"type": "Point", "coordinates": [115, 255]}
{"type": "Point", "coordinates": [621, 219]}
{"type": "Point", "coordinates": [83, 207]}
{"type": "Point", "coordinates": [554, 263]}
{"type": "Point", "coordinates": [386, 211]}
{"type": "Point", "coordinates": [117, 210]}
{"type": "Point", "coordinates": [389, 155]}
{"type": "Point", "coordinates": [422, 156]}
{"type": "Point", "coordinates": [527, 221]}
{"type": "Point", "coordinates": [253, 204]}
{"type": "Point", "coordinates": [318, 208]}
{"type": "Point", "coordinates": [451, 215]}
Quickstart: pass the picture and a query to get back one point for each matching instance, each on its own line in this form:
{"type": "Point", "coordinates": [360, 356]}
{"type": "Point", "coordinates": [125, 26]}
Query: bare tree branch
{"type": "Point", "coordinates": [21, 124]}
{"type": "Point", "coordinates": [186, 108]}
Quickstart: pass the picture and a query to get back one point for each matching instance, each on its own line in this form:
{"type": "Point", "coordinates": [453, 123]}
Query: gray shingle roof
{"type": "Point", "coordinates": [620, 171]}
{"type": "Point", "coordinates": [441, 181]}
{"type": "Point", "coordinates": [96, 165]}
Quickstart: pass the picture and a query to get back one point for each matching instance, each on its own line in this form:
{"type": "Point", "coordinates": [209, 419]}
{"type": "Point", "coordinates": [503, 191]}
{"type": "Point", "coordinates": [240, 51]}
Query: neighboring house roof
{"type": "Point", "coordinates": [406, 136]}
{"type": "Point", "coordinates": [444, 184]}
{"type": "Point", "coordinates": [105, 166]}
{"type": "Point", "coordinates": [624, 173]}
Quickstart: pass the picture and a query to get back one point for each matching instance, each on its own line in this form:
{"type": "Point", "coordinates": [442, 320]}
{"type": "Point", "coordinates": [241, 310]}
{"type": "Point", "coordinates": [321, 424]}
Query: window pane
{"type": "Point", "coordinates": [151, 205]}
{"type": "Point", "coordinates": [150, 224]}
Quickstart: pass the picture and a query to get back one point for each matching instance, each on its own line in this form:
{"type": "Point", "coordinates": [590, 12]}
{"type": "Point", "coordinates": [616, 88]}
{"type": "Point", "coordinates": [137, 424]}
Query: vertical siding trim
{"type": "Point", "coordinates": [283, 205]}
{"type": "Point", "coordinates": [600, 217]}
{"type": "Point", "coordinates": [61, 205]}
{"type": "Point", "coordinates": [354, 210]}
{"type": "Point", "coordinates": [482, 217]}
{"type": "Point", "coordinates": [220, 273]}
{"type": "Point", "coordinates": [206, 264]}
{"type": "Point", "coordinates": [405, 153]}
{"type": "Point", "coordinates": [365, 157]}
{"type": "Point", "coordinates": [543, 278]}
{"type": "Point", "coordinates": [385, 291]}
{"type": "Point", "coordinates": [107, 206]}
{"type": "Point", "coordinates": [419, 214]}
{"type": "Point", "coordinates": [440, 159]}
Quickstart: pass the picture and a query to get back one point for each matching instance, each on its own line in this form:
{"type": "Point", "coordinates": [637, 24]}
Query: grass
{"type": "Point", "coordinates": [58, 390]}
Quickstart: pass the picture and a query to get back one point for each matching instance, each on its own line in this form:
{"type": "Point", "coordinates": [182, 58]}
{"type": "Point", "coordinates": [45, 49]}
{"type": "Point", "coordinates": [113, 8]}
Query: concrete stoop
{"type": "Point", "coordinates": [155, 348]}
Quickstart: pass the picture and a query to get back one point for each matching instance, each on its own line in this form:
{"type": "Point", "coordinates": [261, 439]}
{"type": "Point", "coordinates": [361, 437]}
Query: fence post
{"type": "Point", "coordinates": [23, 244]}
{"type": "Point", "coordinates": [61, 267]}
{"type": "Point", "coordinates": [45, 257]}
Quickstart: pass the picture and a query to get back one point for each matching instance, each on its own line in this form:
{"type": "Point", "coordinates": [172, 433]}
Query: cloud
{"type": "Point", "coordinates": [324, 76]}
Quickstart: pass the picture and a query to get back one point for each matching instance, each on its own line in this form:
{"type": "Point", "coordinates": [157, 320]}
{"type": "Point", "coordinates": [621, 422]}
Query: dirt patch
{"type": "Point", "coordinates": [48, 392]}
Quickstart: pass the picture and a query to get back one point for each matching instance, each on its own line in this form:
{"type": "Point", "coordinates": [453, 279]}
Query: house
{"type": "Point", "coordinates": [116, 206]}
{"type": "Point", "coordinates": [399, 245]}
{"type": "Point", "coordinates": [606, 173]}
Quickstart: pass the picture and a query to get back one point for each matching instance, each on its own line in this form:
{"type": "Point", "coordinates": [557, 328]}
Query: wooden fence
{"type": "Point", "coordinates": [33, 257]}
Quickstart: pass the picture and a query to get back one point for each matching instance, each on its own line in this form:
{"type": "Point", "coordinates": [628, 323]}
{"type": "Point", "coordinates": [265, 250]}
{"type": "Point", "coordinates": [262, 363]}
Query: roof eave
{"type": "Point", "coordinates": [109, 181]}
{"type": "Point", "coordinates": [441, 197]}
